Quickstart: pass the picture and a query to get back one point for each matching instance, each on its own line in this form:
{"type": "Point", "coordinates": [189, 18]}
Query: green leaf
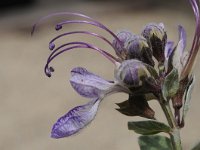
{"type": "Point", "coordinates": [196, 147]}
{"type": "Point", "coordinates": [171, 84]}
{"type": "Point", "coordinates": [148, 127]}
{"type": "Point", "coordinates": [187, 96]}
{"type": "Point", "coordinates": [154, 142]}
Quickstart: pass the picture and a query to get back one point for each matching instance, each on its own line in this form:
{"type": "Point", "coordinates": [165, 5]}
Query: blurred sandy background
{"type": "Point", "coordinates": [30, 102]}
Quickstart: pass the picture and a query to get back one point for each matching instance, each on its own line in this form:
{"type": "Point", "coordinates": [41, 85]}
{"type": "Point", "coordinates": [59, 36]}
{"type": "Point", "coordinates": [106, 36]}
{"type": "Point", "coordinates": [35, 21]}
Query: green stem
{"type": "Point", "coordinates": [176, 139]}
{"type": "Point", "coordinates": [175, 133]}
{"type": "Point", "coordinates": [168, 113]}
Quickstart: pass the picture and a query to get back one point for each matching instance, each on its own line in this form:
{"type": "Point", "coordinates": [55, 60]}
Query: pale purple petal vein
{"type": "Point", "coordinates": [88, 84]}
{"type": "Point", "coordinates": [76, 119]}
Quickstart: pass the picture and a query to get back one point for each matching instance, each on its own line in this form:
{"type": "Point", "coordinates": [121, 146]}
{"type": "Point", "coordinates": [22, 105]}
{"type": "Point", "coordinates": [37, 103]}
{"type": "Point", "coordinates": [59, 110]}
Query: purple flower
{"type": "Point", "coordinates": [88, 85]}
{"type": "Point", "coordinates": [128, 73]}
{"type": "Point", "coordinates": [135, 72]}
{"type": "Point", "coordinates": [95, 88]}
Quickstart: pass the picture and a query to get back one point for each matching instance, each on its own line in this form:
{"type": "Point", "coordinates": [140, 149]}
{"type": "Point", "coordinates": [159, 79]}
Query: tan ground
{"type": "Point", "coordinates": [30, 102]}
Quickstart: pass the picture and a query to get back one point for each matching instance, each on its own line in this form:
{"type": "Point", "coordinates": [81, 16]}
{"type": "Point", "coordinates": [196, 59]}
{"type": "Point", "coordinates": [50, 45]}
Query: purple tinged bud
{"type": "Point", "coordinates": [58, 27]}
{"type": "Point", "coordinates": [156, 37]}
{"type": "Point", "coordinates": [51, 46]}
{"type": "Point", "coordinates": [132, 73]}
{"type": "Point", "coordinates": [138, 48]}
{"type": "Point", "coordinates": [123, 36]}
{"type": "Point", "coordinates": [135, 47]}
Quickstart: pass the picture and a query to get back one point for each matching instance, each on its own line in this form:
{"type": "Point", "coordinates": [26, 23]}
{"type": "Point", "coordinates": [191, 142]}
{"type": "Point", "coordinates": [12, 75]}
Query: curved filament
{"type": "Point", "coordinates": [56, 52]}
{"type": "Point", "coordinates": [78, 32]}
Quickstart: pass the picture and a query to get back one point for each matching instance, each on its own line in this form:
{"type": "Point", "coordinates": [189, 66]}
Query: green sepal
{"type": "Point", "coordinates": [136, 105]}
{"type": "Point", "coordinates": [171, 84]}
{"type": "Point", "coordinates": [154, 142]}
{"type": "Point", "coordinates": [187, 96]}
{"type": "Point", "coordinates": [148, 127]}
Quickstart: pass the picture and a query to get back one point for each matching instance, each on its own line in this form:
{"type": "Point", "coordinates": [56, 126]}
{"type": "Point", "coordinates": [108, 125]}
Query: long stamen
{"type": "Point", "coordinates": [79, 15]}
{"type": "Point", "coordinates": [196, 42]}
{"type": "Point", "coordinates": [84, 43]}
{"type": "Point", "coordinates": [52, 45]}
{"type": "Point", "coordinates": [94, 23]}
{"type": "Point", "coordinates": [48, 69]}
{"type": "Point", "coordinates": [57, 14]}
{"type": "Point", "coordinates": [195, 9]}
{"type": "Point", "coordinates": [104, 53]}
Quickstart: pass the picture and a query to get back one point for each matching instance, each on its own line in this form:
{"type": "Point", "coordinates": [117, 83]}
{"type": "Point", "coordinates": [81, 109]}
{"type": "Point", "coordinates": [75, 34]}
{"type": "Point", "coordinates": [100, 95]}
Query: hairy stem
{"type": "Point", "coordinates": [175, 133]}
{"type": "Point", "coordinates": [176, 139]}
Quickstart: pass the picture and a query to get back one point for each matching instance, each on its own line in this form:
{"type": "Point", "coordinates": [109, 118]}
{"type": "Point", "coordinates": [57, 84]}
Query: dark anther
{"type": "Point", "coordinates": [51, 46]}
{"type": "Point", "coordinates": [58, 27]}
{"type": "Point", "coordinates": [48, 74]}
{"type": "Point", "coordinates": [51, 69]}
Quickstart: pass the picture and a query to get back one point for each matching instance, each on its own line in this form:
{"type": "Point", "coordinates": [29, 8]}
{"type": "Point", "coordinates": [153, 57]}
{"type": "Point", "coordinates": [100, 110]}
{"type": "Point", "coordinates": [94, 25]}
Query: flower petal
{"type": "Point", "coordinates": [179, 53]}
{"type": "Point", "coordinates": [76, 119]}
{"type": "Point", "coordinates": [168, 49]}
{"type": "Point", "coordinates": [182, 35]}
{"type": "Point", "coordinates": [88, 84]}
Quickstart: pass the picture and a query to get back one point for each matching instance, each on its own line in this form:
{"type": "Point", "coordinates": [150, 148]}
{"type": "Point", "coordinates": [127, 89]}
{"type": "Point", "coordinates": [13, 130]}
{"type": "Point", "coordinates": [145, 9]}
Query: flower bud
{"type": "Point", "coordinates": [123, 36]}
{"type": "Point", "coordinates": [156, 38]}
{"type": "Point", "coordinates": [137, 47]}
{"type": "Point", "coordinates": [132, 73]}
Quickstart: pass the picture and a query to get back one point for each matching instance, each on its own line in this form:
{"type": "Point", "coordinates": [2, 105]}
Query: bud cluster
{"type": "Point", "coordinates": [151, 64]}
{"type": "Point", "coordinates": [139, 53]}
{"type": "Point", "coordinates": [138, 56]}
{"type": "Point", "coordinates": [143, 47]}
